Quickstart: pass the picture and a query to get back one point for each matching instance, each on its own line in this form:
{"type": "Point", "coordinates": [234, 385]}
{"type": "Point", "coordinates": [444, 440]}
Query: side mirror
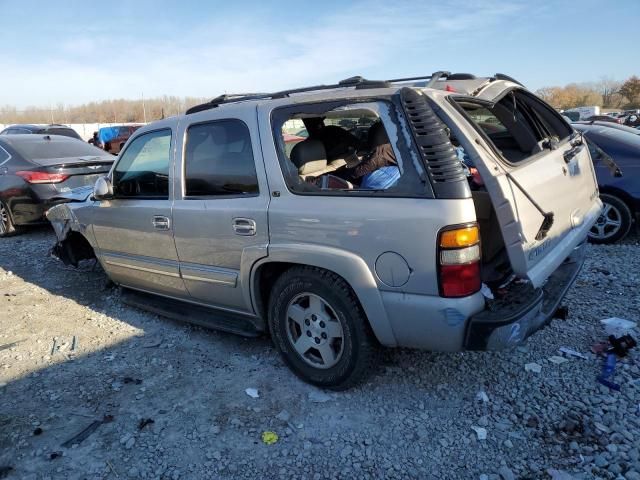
{"type": "Point", "coordinates": [103, 190]}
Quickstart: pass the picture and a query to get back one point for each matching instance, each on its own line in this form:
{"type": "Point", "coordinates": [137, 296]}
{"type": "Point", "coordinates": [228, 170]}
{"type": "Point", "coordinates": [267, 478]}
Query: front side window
{"type": "Point", "coordinates": [345, 148]}
{"type": "Point", "coordinates": [143, 169]}
{"type": "Point", "coordinates": [219, 160]}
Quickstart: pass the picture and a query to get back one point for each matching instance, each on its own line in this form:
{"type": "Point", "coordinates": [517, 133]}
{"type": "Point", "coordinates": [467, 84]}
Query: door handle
{"type": "Point", "coordinates": [161, 222]}
{"type": "Point", "coordinates": [244, 226]}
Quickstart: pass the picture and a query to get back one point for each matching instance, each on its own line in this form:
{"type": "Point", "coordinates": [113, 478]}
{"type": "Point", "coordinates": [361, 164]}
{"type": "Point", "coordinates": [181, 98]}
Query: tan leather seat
{"type": "Point", "coordinates": [310, 157]}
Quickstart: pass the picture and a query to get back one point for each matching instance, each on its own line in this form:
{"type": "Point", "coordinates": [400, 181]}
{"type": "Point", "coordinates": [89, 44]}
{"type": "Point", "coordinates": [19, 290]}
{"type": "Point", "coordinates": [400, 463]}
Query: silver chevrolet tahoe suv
{"type": "Point", "coordinates": [445, 213]}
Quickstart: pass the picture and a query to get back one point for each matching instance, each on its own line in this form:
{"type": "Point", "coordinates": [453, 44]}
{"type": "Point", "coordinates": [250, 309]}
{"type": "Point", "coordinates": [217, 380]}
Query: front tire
{"type": "Point", "coordinates": [320, 329]}
{"type": "Point", "coordinates": [614, 222]}
{"type": "Point", "coordinates": [7, 228]}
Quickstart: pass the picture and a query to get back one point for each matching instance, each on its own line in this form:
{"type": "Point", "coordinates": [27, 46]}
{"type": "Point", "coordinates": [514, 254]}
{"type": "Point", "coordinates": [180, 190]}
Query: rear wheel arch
{"type": "Point", "coordinates": [621, 195]}
{"type": "Point", "coordinates": [267, 272]}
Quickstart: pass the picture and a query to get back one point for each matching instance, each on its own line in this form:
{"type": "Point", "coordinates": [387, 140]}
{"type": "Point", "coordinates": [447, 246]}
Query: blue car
{"type": "Point", "coordinates": [620, 194]}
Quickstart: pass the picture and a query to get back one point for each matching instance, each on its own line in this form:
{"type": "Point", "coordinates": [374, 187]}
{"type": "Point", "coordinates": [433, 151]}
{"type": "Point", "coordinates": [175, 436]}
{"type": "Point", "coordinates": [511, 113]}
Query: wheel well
{"type": "Point", "coordinates": [73, 248]}
{"type": "Point", "coordinates": [266, 276]}
{"type": "Point", "coordinates": [622, 195]}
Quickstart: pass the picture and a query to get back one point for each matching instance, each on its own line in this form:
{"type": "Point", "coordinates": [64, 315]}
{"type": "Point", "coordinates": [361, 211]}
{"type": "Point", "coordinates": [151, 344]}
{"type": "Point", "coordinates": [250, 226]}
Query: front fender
{"type": "Point", "coordinates": [346, 264]}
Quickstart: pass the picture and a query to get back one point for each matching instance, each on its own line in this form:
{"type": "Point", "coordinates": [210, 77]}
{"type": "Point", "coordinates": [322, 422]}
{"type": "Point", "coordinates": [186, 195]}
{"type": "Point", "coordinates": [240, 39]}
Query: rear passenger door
{"type": "Point", "coordinates": [220, 211]}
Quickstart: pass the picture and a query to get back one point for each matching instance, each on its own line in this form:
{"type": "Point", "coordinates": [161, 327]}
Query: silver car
{"type": "Point", "coordinates": [445, 213]}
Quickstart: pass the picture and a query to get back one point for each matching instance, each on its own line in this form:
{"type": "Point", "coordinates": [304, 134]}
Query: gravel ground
{"type": "Point", "coordinates": [169, 402]}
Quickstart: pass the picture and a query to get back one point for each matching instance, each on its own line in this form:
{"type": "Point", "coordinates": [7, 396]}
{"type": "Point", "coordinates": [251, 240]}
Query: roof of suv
{"type": "Point", "coordinates": [464, 83]}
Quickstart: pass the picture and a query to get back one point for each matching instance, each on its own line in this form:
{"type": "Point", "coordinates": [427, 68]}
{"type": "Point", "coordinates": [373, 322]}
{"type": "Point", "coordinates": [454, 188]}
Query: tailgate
{"type": "Point", "coordinates": [567, 191]}
{"type": "Point", "coordinates": [545, 195]}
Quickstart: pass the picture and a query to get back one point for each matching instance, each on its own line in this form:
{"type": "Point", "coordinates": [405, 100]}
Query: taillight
{"type": "Point", "coordinates": [459, 261]}
{"type": "Point", "coordinates": [42, 177]}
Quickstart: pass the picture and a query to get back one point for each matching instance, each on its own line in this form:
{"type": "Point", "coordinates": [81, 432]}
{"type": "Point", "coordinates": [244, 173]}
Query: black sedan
{"type": "Point", "coordinates": [620, 194]}
{"type": "Point", "coordinates": [35, 170]}
{"type": "Point", "coordinates": [51, 129]}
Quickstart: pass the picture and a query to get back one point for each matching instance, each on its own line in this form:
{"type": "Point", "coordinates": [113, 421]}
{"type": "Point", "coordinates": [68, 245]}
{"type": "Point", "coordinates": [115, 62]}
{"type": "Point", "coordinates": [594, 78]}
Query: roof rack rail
{"type": "Point", "coordinates": [226, 98]}
{"type": "Point", "coordinates": [502, 76]}
{"type": "Point", "coordinates": [357, 82]}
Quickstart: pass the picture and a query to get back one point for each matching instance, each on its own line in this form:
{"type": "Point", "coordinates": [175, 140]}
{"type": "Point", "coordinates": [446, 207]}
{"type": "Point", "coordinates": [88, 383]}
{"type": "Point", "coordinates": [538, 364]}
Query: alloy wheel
{"type": "Point", "coordinates": [608, 223]}
{"type": "Point", "coordinates": [314, 330]}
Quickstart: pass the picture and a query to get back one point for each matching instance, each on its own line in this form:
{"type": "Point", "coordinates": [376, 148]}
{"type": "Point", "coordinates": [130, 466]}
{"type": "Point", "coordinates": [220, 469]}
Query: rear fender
{"type": "Point", "coordinates": [352, 268]}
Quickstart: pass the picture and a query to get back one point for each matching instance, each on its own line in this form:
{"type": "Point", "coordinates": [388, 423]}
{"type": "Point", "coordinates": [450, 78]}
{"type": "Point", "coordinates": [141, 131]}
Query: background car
{"type": "Point", "coordinates": [602, 118]}
{"type": "Point", "coordinates": [36, 169]}
{"type": "Point", "coordinates": [617, 126]}
{"type": "Point", "coordinates": [51, 129]}
{"type": "Point", "coordinates": [620, 195]}
{"type": "Point", "coordinates": [113, 138]}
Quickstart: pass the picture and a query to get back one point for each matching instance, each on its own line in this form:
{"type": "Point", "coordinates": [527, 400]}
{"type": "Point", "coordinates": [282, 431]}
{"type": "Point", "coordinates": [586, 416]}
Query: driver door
{"type": "Point", "coordinates": [134, 230]}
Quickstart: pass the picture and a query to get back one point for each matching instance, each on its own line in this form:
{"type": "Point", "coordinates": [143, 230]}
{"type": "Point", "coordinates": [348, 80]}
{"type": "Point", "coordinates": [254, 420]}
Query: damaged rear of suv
{"type": "Point", "coordinates": [400, 202]}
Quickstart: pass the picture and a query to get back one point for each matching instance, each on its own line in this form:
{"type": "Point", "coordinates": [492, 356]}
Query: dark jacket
{"type": "Point", "coordinates": [380, 156]}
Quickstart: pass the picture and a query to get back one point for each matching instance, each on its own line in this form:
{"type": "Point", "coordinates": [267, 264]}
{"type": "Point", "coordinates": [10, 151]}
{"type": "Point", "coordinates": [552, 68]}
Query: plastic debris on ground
{"type": "Point", "coordinates": [319, 397]}
{"type": "Point", "coordinates": [617, 326]}
{"type": "Point", "coordinates": [608, 371]}
{"type": "Point", "coordinates": [557, 359]}
{"type": "Point", "coordinates": [252, 392]}
{"type": "Point", "coordinates": [561, 313]}
{"type": "Point", "coordinates": [573, 353]}
{"type": "Point", "coordinates": [480, 432]}
{"type": "Point", "coordinates": [533, 367]}
{"type": "Point", "coordinates": [486, 291]}
{"type": "Point", "coordinates": [269, 438]}
{"type": "Point", "coordinates": [482, 397]}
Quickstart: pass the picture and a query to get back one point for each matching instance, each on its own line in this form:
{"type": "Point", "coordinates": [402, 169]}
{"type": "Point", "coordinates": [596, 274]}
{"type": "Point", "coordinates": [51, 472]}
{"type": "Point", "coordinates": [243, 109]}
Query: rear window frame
{"type": "Point", "coordinates": [452, 99]}
{"type": "Point", "coordinates": [407, 148]}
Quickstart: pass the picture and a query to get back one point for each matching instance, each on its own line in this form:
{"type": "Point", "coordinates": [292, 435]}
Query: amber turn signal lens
{"type": "Point", "coordinates": [460, 237]}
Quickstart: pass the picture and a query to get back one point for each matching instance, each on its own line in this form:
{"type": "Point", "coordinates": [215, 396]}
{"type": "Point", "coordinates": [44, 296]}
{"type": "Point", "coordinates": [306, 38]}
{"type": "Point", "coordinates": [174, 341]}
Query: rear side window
{"type": "Point", "coordinates": [143, 169]}
{"type": "Point", "coordinates": [346, 149]}
{"type": "Point", "coordinates": [219, 160]}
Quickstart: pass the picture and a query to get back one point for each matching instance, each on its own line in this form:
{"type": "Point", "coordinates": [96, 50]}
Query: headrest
{"type": "Point", "coordinates": [377, 135]}
{"type": "Point", "coordinates": [309, 156]}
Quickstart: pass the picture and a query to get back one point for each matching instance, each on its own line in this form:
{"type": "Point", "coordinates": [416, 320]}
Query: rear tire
{"type": "Point", "coordinates": [614, 222]}
{"type": "Point", "coordinates": [7, 228]}
{"type": "Point", "coordinates": [320, 329]}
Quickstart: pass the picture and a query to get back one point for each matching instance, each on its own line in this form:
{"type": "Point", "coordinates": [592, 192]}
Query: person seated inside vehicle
{"type": "Point", "coordinates": [337, 141]}
{"type": "Point", "coordinates": [378, 169]}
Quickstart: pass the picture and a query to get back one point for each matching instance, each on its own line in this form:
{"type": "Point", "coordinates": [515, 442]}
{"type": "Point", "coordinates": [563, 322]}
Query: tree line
{"type": "Point", "coordinates": [106, 111]}
{"type": "Point", "coordinates": [607, 93]}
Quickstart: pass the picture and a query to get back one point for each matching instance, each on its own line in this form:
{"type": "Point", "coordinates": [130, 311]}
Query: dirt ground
{"type": "Point", "coordinates": [167, 400]}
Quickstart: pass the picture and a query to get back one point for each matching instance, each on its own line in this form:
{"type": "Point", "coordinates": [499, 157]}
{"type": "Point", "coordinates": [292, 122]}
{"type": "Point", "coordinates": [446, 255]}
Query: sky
{"type": "Point", "coordinates": [74, 51]}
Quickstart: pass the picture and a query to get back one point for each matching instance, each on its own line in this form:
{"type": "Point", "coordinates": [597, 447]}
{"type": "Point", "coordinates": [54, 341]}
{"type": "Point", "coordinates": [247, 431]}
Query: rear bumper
{"type": "Point", "coordinates": [506, 323]}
